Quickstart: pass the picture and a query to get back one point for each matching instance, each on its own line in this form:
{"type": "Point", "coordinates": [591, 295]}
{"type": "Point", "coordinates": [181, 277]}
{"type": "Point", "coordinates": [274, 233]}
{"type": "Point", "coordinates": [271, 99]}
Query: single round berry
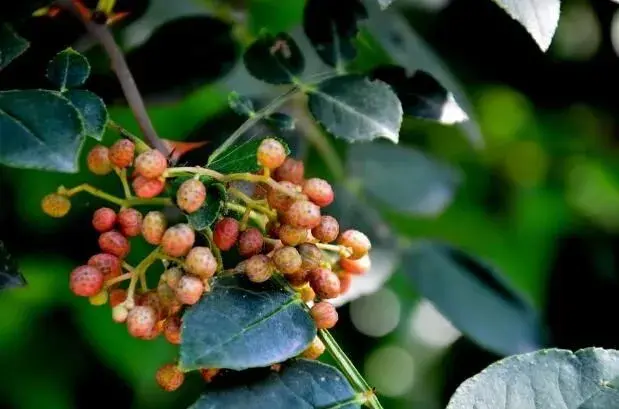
{"type": "Point", "coordinates": [121, 153]}
{"type": "Point", "coordinates": [279, 200]}
{"type": "Point", "coordinates": [103, 219]}
{"type": "Point", "coordinates": [99, 299]}
{"type": "Point", "coordinates": [209, 374]}
{"type": "Point", "coordinates": [98, 160]}
{"type": "Point", "coordinates": [287, 260]}
{"type": "Point", "coordinates": [311, 256]}
{"type": "Point", "coordinates": [166, 295]}
{"type": "Point", "coordinates": [169, 377]}
{"type": "Point", "coordinates": [151, 164]}
{"type": "Point", "coordinates": [86, 281]}
{"type": "Point", "coordinates": [172, 329]}
{"type": "Point", "coordinates": [178, 240]}
{"type": "Point", "coordinates": [250, 242]}
{"type": "Point", "coordinates": [292, 236]}
{"type": "Point", "coordinates": [226, 233]}
{"type": "Point", "coordinates": [271, 153]}
{"type": "Point", "coordinates": [171, 276]}
{"type": "Point", "coordinates": [117, 296]}
{"type": "Point", "coordinates": [147, 188]}
{"type": "Point", "coordinates": [113, 242]}
{"type": "Point", "coordinates": [154, 226]}
{"type": "Point", "coordinates": [324, 315]}
{"type": "Point", "coordinates": [130, 222]}
{"type": "Point", "coordinates": [303, 214]}
{"type": "Point", "coordinates": [319, 191]}
{"type": "Point", "coordinates": [141, 321]}
{"type": "Point", "coordinates": [120, 313]}
{"type": "Point", "coordinates": [109, 265]}
{"type": "Point", "coordinates": [325, 283]}
{"type": "Point", "coordinates": [298, 279]}
{"type": "Point", "coordinates": [259, 268]}
{"type": "Point", "coordinates": [315, 350]}
{"type": "Point", "coordinates": [56, 205]}
{"type": "Point", "coordinates": [307, 293]}
{"type": "Point", "coordinates": [359, 266]}
{"type": "Point", "coordinates": [151, 299]}
{"type": "Point", "coordinates": [327, 230]}
{"type": "Point", "coordinates": [358, 242]}
{"type": "Point", "coordinates": [291, 170]}
{"type": "Point", "coordinates": [201, 262]}
{"type": "Point", "coordinates": [345, 282]}
{"type": "Point", "coordinates": [191, 195]}
{"type": "Point", "coordinates": [189, 289]}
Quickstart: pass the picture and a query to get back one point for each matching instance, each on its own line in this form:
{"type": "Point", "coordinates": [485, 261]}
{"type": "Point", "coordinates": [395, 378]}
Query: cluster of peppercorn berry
{"type": "Point", "coordinates": [299, 243]}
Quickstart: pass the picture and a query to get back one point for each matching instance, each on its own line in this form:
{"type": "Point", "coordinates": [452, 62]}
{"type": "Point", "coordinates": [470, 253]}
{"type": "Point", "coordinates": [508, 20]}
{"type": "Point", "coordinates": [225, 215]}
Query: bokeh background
{"type": "Point", "coordinates": [540, 201]}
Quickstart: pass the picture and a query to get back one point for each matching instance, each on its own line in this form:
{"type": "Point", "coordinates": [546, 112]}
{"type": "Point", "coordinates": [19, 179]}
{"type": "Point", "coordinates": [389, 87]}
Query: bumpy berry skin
{"type": "Point", "coordinates": [189, 289]}
{"type": "Point", "coordinates": [117, 296]}
{"type": "Point", "coordinates": [122, 152]}
{"type": "Point", "coordinates": [271, 153]}
{"type": "Point", "coordinates": [287, 260]}
{"type": "Point", "coordinates": [141, 321]}
{"type": "Point", "coordinates": [201, 262]}
{"type": "Point", "coordinates": [172, 329]}
{"type": "Point", "coordinates": [324, 315]}
{"type": "Point", "coordinates": [169, 377]}
{"type": "Point", "coordinates": [191, 195]}
{"type": "Point", "coordinates": [151, 299]}
{"type": "Point", "coordinates": [178, 240]}
{"type": "Point", "coordinates": [171, 276]}
{"type": "Point", "coordinates": [147, 188]}
{"type": "Point", "coordinates": [311, 256]}
{"type": "Point", "coordinates": [327, 230]}
{"type": "Point", "coordinates": [113, 242]}
{"type": "Point", "coordinates": [166, 296]}
{"type": "Point", "coordinates": [151, 164]}
{"type": "Point", "coordinates": [358, 242]}
{"type": "Point", "coordinates": [291, 170]}
{"type": "Point", "coordinates": [315, 350]}
{"type": "Point", "coordinates": [259, 268]}
{"type": "Point", "coordinates": [56, 205]}
{"type": "Point", "coordinates": [298, 279]}
{"type": "Point", "coordinates": [226, 233]}
{"type": "Point", "coordinates": [303, 214]}
{"type": "Point", "coordinates": [98, 160]}
{"type": "Point", "coordinates": [109, 265]}
{"type": "Point", "coordinates": [86, 281]}
{"type": "Point", "coordinates": [279, 200]}
{"type": "Point", "coordinates": [154, 226]}
{"type": "Point", "coordinates": [120, 313]}
{"type": "Point", "coordinates": [99, 299]}
{"type": "Point", "coordinates": [130, 222]}
{"type": "Point", "coordinates": [325, 283]}
{"type": "Point", "coordinates": [103, 219]}
{"type": "Point", "coordinates": [250, 242]}
{"type": "Point", "coordinates": [359, 266]}
{"type": "Point", "coordinates": [209, 374]}
{"type": "Point", "coordinates": [319, 191]}
{"type": "Point", "coordinates": [292, 236]}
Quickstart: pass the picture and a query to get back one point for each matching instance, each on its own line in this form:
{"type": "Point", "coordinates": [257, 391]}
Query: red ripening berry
{"type": "Point", "coordinates": [287, 260]}
{"type": "Point", "coordinates": [310, 255]}
{"type": "Point", "coordinates": [103, 219]}
{"type": "Point", "coordinates": [172, 329]}
{"type": "Point", "coordinates": [319, 191]}
{"type": "Point", "coordinates": [86, 281]}
{"type": "Point", "coordinates": [327, 230]}
{"type": "Point", "coordinates": [151, 299]}
{"type": "Point", "coordinates": [141, 321]}
{"type": "Point", "coordinates": [303, 214]}
{"type": "Point", "coordinates": [345, 282]}
{"type": "Point", "coordinates": [226, 233]}
{"type": "Point", "coordinates": [98, 160]}
{"type": "Point", "coordinates": [189, 289]}
{"type": "Point", "coordinates": [298, 279]}
{"type": "Point", "coordinates": [315, 349]}
{"type": "Point", "coordinates": [130, 221]}
{"type": "Point", "coordinates": [271, 153]}
{"type": "Point", "coordinates": [292, 236]}
{"type": "Point", "coordinates": [324, 315]}
{"type": "Point", "coordinates": [178, 240]}
{"type": "Point", "coordinates": [109, 265]}
{"type": "Point", "coordinates": [113, 242]}
{"type": "Point", "coordinates": [201, 262]}
{"type": "Point", "coordinates": [147, 188]}
{"type": "Point", "coordinates": [169, 377]}
{"type": "Point", "coordinates": [154, 226]}
{"type": "Point", "coordinates": [258, 268]}
{"type": "Point", "coordinates": [279, 200]}
{"type": "Point", "coordinates": [358, 242]}
{"type": "Point", "coordinates": [325, 283]}
{"type": "Point", "coordinates": [117, 296]}
{"type": "Point", "coordinates": [250, 242]}
{"type": "Point", "coordinates": [209, 374]}
{"type": "Point", "coordinates": [151, 164]}
{"type": "Point", "coordinates": [121, 153]}
{"type": "Point", "coordinates": [359, 266]}
{"type": "Point", "coordinates": [56, 205]}
{"type": "Point", "coordinates": [191, 195]}
{"type": "Point", "coordinates": [291, 170]}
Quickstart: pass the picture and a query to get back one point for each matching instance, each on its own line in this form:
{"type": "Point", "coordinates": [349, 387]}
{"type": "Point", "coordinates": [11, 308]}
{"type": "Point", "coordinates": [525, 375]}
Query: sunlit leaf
{"type": "Point", "coordinates": [68, 69]}
{"type": "Point", "coordinates": [92, 110]}
{"type": "Point", "coordinates": [11, 45]}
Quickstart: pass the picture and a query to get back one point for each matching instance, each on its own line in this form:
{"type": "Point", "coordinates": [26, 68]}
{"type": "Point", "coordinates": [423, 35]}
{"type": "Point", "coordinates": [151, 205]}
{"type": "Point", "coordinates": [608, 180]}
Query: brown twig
{"type": "Point", "coordinates": [119, 65]}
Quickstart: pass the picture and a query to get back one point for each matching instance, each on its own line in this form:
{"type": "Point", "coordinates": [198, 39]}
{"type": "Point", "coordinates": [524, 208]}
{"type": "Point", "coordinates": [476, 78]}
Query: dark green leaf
{"type": "Point", "coordinates": [211, 209]}
{"type": "Point", "coordinates": [39, 129]}
{"type": "Point", "coordinates": [10, 277]}
{"type": "Point", "coordinates": [240, 325]}
{"type": "Point", "coordinates": [239, 158]}
{"type": "Point", "coordinates": [547, 379]}
{"type": "Point", "coordinates": [274, 59]}
{"type": "Point", "coordinates": [240, 104]}
{"type": "Point", "coordinates": [476, 298]}
{"type": "Point", "coordinates": [68, 69]}
{"type": "Point", "coordinates": [280, 121]}
{"type": "Point", "coordinates": [539, 17]}
{"type": "Point", "coordinates": [354, 108]}
{"type": "Point", "coordinates": [331, 27]}
{"type": "Point", "coordinates": [92, 110]}
{"type": "Point", "coordinates": [11, 45]}
{"type": "Point", "coordinates": [406, 179]}
{"type": "Point", "coordinates": [300, 384]}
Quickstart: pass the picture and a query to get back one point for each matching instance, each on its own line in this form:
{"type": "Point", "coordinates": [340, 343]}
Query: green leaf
{"type": "Point", "coordinates": [39, 129]}
{"type": "Point", "coordinates": [92, 110]}
{"type": "Point", "coordinates": [539, 17]}
{"type": "Point", "coordinates": [214, 206]}
{"type": "Point", "coordinates": [276, 59]}
{"type": "Point", "coordinates": [10, 276]}
{"type": "Point", "coordinates": [68, 69]}
{"type": "Point", "coordinates": [281, 122]}
{"type": "Point", "coordinates": [300, 384]}
{"type": "Point", "coordinates": [240, 104]}
{"type": "Point", "coordinates": [406, 179]}
{"type": "Point", "coordinates": [384, 3]}
{"type": "Point", "coordinates": [331, 27]}
{"type": "Point", "coordinates": [476, 298]}
{"type": "Point", "coordinates": [241, 157]}
{"type": "Point", "coordinates": [11, 45]}
{"type": "Point", "coordinates": [240, 325]}
{"type": "Point", "coordinates": [547, 379]}
{"type": "Point", "coordinates": [356, 109]}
